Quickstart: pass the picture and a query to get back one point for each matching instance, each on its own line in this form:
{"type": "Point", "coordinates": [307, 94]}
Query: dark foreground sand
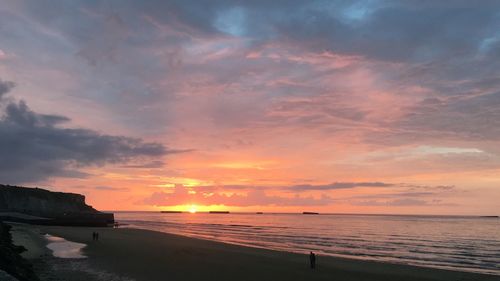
{"type": "Point", "coordinates": [131, 254]}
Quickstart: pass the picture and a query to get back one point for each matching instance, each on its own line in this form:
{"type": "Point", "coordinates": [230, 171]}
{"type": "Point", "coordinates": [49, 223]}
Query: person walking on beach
{"type": "Point", "coordinates": [312, 260]}
{"type": "Point", "coordinates": [97, 236]}
{"type": "Point", "coordinates": [93, 236]}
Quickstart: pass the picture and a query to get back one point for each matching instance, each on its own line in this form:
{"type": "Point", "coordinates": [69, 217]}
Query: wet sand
{"type": "Point", "coordinates": [132, 254]}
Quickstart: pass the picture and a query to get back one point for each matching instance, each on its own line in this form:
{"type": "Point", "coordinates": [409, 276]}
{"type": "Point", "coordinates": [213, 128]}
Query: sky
{"type": "Point", "coordinates": [276, 106]}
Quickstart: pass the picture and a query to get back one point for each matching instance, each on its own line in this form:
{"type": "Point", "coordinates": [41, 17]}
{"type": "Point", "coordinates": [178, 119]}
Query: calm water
{"type": "Point", "coordinates": [62, 248]}
{"type": "Point", "coordinates": [457, 243]}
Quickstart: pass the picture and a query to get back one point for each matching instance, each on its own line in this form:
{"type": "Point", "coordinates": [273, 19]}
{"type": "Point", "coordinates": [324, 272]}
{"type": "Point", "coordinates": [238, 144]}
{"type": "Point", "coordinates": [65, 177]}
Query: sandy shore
{"type": "Point", "coordinates": [131, 254]}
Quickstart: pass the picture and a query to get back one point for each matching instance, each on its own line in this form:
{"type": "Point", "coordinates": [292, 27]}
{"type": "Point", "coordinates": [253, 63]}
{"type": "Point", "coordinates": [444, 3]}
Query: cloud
{"type": "Point", "coordinates": [384, 30]}
{"type": "Point", "coordinates": [403, 195]}
{"type": "Point", "coordinates": [180, 195]}
{"type": "Point", "coordinates": [151, 165]}
{"type": "Point", "coordinates": [296, 188]}
{"type": "Point", "coordinates": [461, 118]}
{"type": "Point", "coordinates": [338, 185]}
{"type": "Point", "coordinates": [110, 188]}
{"type": "Point", "coordinates": [396, 202]}
{"type": "Point", "coordinates": [34, 146]}
{"type": "Point", "coordinates": [413, 187]}
{"type": "Point", "coordinates": [5, 87]}
{"type": "Point", "coordinates": [406, 195]}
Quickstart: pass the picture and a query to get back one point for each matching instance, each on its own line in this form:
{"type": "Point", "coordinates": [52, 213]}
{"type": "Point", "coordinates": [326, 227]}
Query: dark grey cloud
{"type": "Point", "coordinates": [34, 146]}
{"type": "Point", "coordinates": [296, 188]}
{"type": "Point", "coordinates": [5, 87]}
{"type": "Point", "coordinates": [110, 188]}
{"type": "Point", "coordinates": [413, 187]}
{"type": "Point", "coordinates": [338, 185]}
{"type": "Point", "coordinates": [387, 30]}
{"type": "Point", "coordinates": [149, 165]}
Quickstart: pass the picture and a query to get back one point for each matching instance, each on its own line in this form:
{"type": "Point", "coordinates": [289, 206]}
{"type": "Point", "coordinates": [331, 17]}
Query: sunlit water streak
{"type": "Point", "coordinates": [457, 243]}
{"type": "Point", "coordinates": [62, 248]}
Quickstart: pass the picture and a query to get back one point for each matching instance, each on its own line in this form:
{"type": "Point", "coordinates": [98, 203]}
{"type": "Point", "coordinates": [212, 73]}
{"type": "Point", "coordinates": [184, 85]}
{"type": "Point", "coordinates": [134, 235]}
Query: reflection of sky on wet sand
{"type": "Point", "coordinates": [61, 248]}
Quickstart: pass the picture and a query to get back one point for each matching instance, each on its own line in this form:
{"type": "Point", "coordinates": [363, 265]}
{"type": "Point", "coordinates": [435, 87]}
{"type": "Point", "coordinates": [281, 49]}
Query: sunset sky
{"type": "Point", "coordinates": [282, 106]}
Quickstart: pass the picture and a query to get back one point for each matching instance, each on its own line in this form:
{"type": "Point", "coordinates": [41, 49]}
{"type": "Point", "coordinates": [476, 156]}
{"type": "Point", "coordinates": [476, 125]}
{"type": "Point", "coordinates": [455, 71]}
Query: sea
{"type": "Point", "coordinates": [447, 242]}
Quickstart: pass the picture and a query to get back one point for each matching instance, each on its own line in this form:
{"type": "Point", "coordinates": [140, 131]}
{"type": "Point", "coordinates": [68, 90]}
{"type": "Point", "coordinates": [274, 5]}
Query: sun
{"type": "Point", "coordinates": [192, 209]}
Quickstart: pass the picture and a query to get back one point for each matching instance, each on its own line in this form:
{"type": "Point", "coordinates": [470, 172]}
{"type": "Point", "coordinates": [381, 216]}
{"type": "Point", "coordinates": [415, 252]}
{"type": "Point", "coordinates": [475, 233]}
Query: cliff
{"type": "Point", "coordinates": [50, 207]}
{"type": "Point", "coordinates": [41, 202]}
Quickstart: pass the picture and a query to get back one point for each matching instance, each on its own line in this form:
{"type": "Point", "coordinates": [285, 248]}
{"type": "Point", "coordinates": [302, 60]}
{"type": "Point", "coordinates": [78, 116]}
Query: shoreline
{"type": "Point", "coordinates": [138, 254]}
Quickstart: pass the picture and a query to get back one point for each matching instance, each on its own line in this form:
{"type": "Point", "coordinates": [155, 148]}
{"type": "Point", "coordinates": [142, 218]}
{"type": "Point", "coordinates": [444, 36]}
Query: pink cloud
{"type": "Point", "coordinates": [182, 195]}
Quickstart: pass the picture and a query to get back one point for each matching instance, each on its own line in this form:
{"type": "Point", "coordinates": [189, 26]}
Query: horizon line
{"type": "Point", "coordinates": [298, 213]}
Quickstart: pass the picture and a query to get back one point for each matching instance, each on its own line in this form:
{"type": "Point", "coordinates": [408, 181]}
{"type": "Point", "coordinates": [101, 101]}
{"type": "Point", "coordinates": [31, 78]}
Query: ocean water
{"type": "Point", "coordinates": [457, 243]}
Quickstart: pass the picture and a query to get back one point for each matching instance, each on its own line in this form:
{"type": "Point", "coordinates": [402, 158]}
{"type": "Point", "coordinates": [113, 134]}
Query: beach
{"type": "Point", "coordinates": [134, 254]}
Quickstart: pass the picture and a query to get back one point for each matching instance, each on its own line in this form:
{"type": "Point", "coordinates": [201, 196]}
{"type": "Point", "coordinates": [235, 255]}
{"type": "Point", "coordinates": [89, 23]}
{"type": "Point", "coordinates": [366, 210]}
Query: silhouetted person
{"type": "Point", "coordinates": [97, 236]}
{"type": "Point", "coordinates": [312, 260]}
{"type": "Point", "coordinates": [93, 236]}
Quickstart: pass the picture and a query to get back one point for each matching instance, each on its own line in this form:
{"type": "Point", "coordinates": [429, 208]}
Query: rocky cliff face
{"type": "Point", "coordinates": [59, 207]}
{"type": "Point", "coordinates": [41, 202]}
{"type": "Point", "coordinates": [10, 259]}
